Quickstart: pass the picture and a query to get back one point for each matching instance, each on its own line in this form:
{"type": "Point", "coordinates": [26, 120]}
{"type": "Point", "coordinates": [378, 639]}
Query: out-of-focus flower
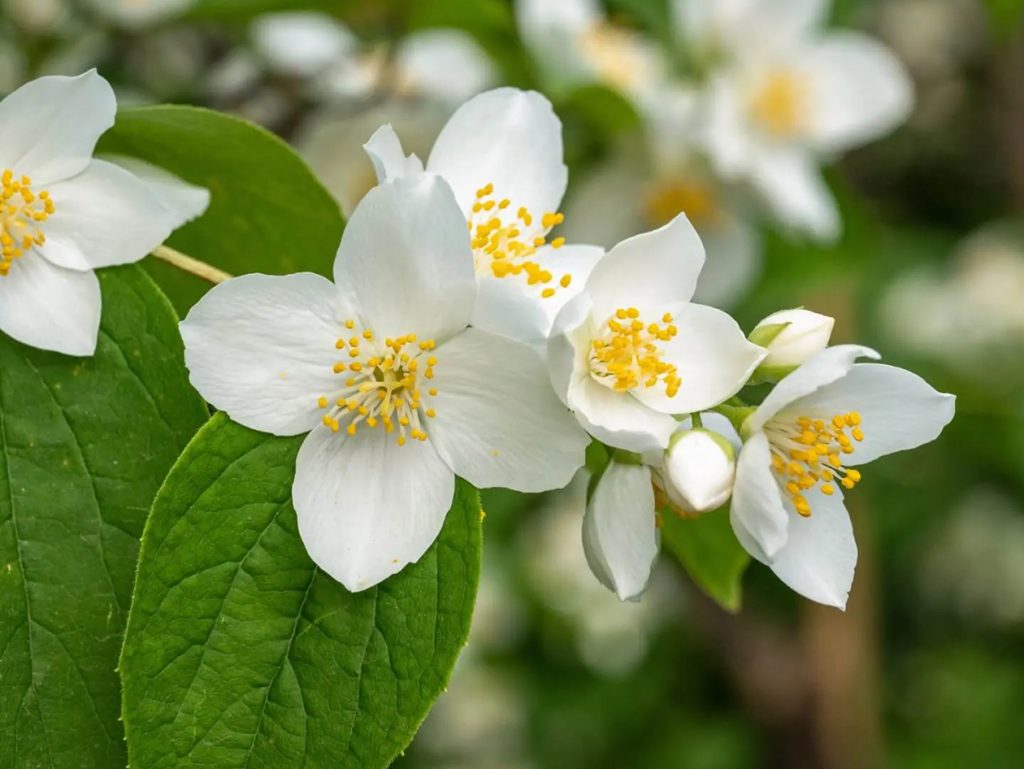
{"type": "Point", "coordinates": [632, 350]}
{"type": "Point", "coordinates": [64, 213]}
{"type": "Point", "coordinates": [787, 95]}
{"type": "Point", "coordinates": [139, 13]}
{"type": "Point", "coordinates": [371, 366]}
{"type": "Point", "coordinates": [803, 442]}
{"type": "Point", "coordinates": [791, 337]}
{"type": "Point", "coordinates": [501, 152]}
{"type": "Point", "coordinates": [574, 43]}
{"type": "Point", "coordinates": [302, 44]}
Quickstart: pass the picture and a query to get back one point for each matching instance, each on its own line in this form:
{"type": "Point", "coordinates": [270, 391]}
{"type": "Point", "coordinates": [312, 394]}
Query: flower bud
{"type": "Point", "coordinates": [791, 337]}
{"type": "Point", "coordinates": [698, 470]}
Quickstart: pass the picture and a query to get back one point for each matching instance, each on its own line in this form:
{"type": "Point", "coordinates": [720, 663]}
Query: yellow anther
{"type": "Point", "coordinates": [780, 105]}
{"type": "Point", "coordinates": [322, 402]}
{"type": "Point", "coordinates": [547, 293]}
{"type": "Point", "coordinates": [22, 212]}
{"type": "Point", "coordinates": [350, 324]}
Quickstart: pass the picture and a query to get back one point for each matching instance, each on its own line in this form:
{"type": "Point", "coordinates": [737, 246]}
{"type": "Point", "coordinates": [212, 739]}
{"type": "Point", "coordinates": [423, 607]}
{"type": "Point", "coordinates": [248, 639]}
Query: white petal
{"type": "Point", "coordinates": [498, 421]}
{"type": "Point", "coordinates": [618, 419]}
{"type": "Point", "coordinates": [104, 216]}
{"type": "Point", "coordinates": [443, 64]}
{"type": "Point", "coordinates": [727, 135]}
{"type": "Point", "coordinates": [51, 308]}
{"type": "Point", "coordinates": [820, 555]}
{"type": "Point", "coordinates": [824, 368]}
{"type": "Point", "coordinates": [620, 539]}
{"type": "Point", "coordinates": [185, 201]}
{"type": "Point", "coordinates": [861, 91]}
{"type": "Point", "coordinates": [898, 409]}
{"type": "Point", "coordinates": [405, 260]}
{"type": "Point", "coordinates": [739, 24]}
{"type": "Point", "coordinates": [552, 30]}
{"type": "Point", "coordinates": [49, 126]}
{"type": "Point", "coordinates": [366, 506]}
{"type": "Point", "coordinates": [608, 204]}
{"type": "Point", "coordinates": [654, 269]}
{"type": "Point", "coordinates": [135, 14]}
{"type": "Point", "coordinates": [711, 355]}
{"type": "Point", "coordinates": [388, 158]}
{"type": "Point", "coordinates": [568, 345]}
{"type": "Point", "coordinates": [301, 44]}
{"type": "Point", "coordinates": [511, 307]}
{"type": "Point", "coordinates": [733, 262]}
{"type": "Point", "coordinates": [792, 186]}
{"type": "Point", "coordinates": [261, 348]}
{"type": "Point", "coordinates": [509, 138]}
{"type": "Point", "coordinates": [758, 517]}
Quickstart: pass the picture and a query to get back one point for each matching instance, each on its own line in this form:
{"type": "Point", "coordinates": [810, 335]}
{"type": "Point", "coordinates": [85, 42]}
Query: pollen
{"type": "Point", "coordinates": [629, 354]}
{"type": "Point", "coordinates": [505, 244]}
{"type": "Point", "coordinates": [383, 387]}
{"type": "Point", "coordinates": [808, 453]}
{"type": "Point", "coordinates": [692, 197]}
{"type": "Point", "coordinates": [22, 213]}
{"type": "Point", "coordinates": [779, 105]}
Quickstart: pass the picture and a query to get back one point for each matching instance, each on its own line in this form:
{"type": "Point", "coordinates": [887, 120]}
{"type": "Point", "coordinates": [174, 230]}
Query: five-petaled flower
{"type": "Point", "coordinates": [64, 213]}
{"type": "Point", "coordinates": [501, 152]}
{"type": "Point", "coordinates": [802, 445]}
{"type": "Point", "coordinates": [631, 351]}
{"type": "Point", "coordinates": [397, 394]}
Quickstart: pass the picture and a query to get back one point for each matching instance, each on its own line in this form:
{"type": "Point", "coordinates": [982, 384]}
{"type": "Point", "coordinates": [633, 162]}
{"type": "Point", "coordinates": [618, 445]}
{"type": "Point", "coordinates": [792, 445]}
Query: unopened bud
{"type": "Point", "coordinates": [698, 470]}
{"type": "Point", "coordinates": [791, 337]}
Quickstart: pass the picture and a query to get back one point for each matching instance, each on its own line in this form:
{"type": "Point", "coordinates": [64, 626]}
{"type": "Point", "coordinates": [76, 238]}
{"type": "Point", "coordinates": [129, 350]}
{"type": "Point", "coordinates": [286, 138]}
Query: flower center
{"type": "Point", "coordinates": [809, 452]}
{"type": "Point", "coordinates": [780, 104]}
{"type": "Point", "coordinates": [21, 213]}
{"type": "Point", "coordinates": [614, 55]}
{"type": "Point", "coordinates": [504, 243]}
{"type": "Point", "coordinates": [668, 199]}
{"type": "Point", "coordinates": [381, 385]}
{"type": "Point", "coordinates": [628, 354]}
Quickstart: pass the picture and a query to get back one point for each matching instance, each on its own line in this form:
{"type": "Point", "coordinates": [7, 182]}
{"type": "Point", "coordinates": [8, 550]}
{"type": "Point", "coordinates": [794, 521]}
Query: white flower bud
{"type": "Point", "coordinates": [698, 470]}
{"type": "Point", "coordinates": [791, 337]}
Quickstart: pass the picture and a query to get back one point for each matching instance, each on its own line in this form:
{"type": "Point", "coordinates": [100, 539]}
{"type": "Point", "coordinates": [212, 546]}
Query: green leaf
{"type": "Point", "coordinates": [268, 213]}
{"type": "Point", "coordinates": [710, 553]}
{"type": "Point", "coordinates": [241, 653]}
{"type": "Point", "coordinates": [84, 445]}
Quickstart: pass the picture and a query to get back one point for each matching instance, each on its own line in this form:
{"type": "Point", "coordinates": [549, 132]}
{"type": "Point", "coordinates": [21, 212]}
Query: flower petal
{"type": "Point", "coordinates": [388, 158]}
{"type": "Point", "coordinates": [261, 348]}
{"type": "Point", "coordinates": [443, 64]}
{"type": "Point", "coordinates": [711, 355]}
{"type": "Point", "coordinates": [366, 506]}
{"type": "Point", "coordinates": [618, 419]}
{"type": "Point", "coordinates": [105, 216]}
{"type": "Point", "coordinates": [511, 307]}
{"type": "Point", "coordinates": [498, 422]}
{"type": "Point", "coordinates": [792, 186]}
{"type": "Point", "coordinates": [51, 308]}
{"type": "Point", "coordinates": [49, 126]}
{"type": "Point", "coordinates": [405, 260]}
{"type": "Point", "coordinates": [568, 345]}
{"type": "Point", "coordinates": [302, 43]}
{"type": "Point", "coordinates": [509, 138]}
{"type": "Point", "coordinates": [826, 367]}
{"type": "Point", "coordinates": [861, 91]}
{"type": "Point", "coordinates": [898, 409]}
{"type": "Point", "coordinates": [757, 514]}
{"type": "Point", "coordinates": [820, 555]}
{"type": "Point", "coordinates": [185, 201]}
{"type": "Point", "coordinates": [620, 538]}
{"type": "Point", "coordinates": [733, 264]}
{"type": "Point", "coordinates": [649, 270]}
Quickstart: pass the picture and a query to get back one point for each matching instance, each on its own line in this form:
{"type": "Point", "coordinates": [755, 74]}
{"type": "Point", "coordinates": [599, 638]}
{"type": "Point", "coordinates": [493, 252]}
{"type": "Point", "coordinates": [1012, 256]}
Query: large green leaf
{"type": "Point", "coordinates": [268, 213]}
{"type": "Point", "coordinates": [710, 553]}
{"type": "Point", "coordinates": [84, 445]}
{"type": "Point", "coordinates": [241, 653]}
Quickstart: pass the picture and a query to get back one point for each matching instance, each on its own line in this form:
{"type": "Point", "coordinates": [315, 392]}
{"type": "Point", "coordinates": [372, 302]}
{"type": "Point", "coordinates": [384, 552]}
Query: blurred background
{"type": "Point", "coordinates": [926, 668]}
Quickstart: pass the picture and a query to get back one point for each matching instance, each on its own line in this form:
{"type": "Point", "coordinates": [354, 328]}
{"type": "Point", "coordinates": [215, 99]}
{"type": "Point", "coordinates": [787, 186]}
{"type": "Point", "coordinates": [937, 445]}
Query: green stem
{"type": "Point", "coordinates": [697, 420]}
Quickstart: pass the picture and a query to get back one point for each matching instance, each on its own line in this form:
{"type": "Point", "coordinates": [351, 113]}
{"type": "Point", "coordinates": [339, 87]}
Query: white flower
{"type": "Point", "coordinates": [631, 350]}
{"type": "Point", "coordinates": [64, 213]}
{"type": "Point", "coordinates": [620, 531]}
{"type": "Point", "coordinates": [575, 44]}
{"type": "Point", "coordinates": [139, 13]}
{"type": "Point", "coordinates": [801, 446]}
{"type": "Point", "coordinates": [789, 95]}
{"type": "Point", "coordinates": [698, 470]}
{"type": "Point", "coordinates": [792, 337]}
{"type": "Point", "coordinates": [501, 152]}
{"type": "Point", "coordinates": [302, 44]}
{"type": "Point", "coordinates": [397, 394]}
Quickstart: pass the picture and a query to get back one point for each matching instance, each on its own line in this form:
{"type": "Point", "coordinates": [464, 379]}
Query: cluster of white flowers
{"type": "Point", "coordinates": [425, 361]}
{"type": "Point", "coordinates": [738, 114]}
